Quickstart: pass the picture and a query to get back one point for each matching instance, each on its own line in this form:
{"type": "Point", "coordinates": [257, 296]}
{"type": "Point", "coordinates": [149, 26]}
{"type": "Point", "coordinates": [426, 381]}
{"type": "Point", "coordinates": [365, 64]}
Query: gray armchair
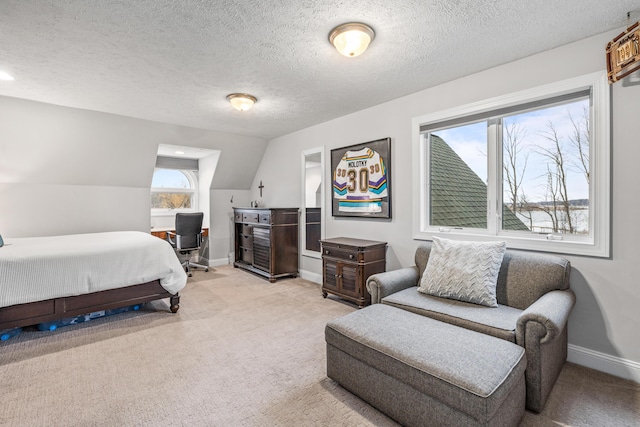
{"type": "Point", "coordinates": [534, 305]}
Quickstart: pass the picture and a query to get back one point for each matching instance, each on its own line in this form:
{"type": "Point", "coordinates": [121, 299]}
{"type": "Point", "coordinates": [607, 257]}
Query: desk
{"type": "Point", "coordinates": [162, 232]}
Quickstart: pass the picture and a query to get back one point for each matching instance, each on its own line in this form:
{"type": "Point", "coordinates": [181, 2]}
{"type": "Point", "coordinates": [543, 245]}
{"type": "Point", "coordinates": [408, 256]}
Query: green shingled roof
{"type": "Point", "coordinates": [458, 195]}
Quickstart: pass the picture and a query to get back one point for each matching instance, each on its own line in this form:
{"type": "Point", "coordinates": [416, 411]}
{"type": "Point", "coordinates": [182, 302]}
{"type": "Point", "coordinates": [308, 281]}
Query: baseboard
{"type": "Point", "coordinates": [613, 365]}
{"type": "Point", "coordinates": [218, 262]}
{"type": "Point", "coordinates": [311, 276]}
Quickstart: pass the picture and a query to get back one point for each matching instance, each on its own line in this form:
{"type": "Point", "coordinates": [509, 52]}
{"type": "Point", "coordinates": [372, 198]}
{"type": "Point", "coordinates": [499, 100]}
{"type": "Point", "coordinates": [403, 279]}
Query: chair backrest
{"type": "Point", "coordinates": [524, 276]}
{"type": "Point", "coordinates": [188, 230]}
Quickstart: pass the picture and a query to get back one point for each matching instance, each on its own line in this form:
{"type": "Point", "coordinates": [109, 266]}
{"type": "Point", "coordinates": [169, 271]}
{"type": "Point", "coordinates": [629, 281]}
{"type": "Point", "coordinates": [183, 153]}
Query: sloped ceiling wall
{"type": "Point", "coordinates": [86, 156]}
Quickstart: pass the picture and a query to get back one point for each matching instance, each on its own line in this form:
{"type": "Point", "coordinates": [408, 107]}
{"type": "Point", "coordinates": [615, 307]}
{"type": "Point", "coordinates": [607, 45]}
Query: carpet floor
{"type": "Point", "coordinates": [240, 352]}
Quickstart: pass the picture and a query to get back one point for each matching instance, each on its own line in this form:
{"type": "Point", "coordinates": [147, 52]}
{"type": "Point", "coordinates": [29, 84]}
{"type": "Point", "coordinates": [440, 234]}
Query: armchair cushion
{"type": "Point", "coordinates": [464, 271]}
{"type": "Point", "coordinates": [499, 322]}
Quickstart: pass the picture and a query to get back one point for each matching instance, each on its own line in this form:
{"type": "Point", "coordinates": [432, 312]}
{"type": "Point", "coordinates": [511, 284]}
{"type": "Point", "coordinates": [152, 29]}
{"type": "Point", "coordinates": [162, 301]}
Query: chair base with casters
{"type": "Point", "coordinates": [187, 264]}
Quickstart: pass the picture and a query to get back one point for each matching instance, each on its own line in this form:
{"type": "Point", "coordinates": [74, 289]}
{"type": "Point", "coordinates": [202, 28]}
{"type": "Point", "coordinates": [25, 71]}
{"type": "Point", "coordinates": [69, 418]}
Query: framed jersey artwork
{"type": "Point", "coordinates": [361, 184]}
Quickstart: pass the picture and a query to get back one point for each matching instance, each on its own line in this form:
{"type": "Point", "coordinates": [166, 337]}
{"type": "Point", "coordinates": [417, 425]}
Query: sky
{"type": "Point", "coordinates": [169, 178]}
{"type": "Point", "coordinates": [470, 143]}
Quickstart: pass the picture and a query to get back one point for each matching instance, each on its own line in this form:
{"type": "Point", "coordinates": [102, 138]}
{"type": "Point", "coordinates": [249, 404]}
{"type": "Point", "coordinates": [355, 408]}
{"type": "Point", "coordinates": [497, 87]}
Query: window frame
{"type": "Point", "coordinates": [598, 243]}
{"type": "Point", "coordinates": [192, 177]}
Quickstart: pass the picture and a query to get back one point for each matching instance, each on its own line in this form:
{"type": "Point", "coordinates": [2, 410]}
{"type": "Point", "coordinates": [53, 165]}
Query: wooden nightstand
{"type": "Point", "coordinates": [346, 265]}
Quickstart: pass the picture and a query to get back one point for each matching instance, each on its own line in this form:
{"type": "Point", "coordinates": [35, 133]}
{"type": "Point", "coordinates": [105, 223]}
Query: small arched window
{"type": "Point", "coordinates": [173, 190]}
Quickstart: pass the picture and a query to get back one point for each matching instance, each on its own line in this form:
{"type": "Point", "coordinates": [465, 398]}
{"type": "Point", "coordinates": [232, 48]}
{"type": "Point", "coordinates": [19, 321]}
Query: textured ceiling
{"type": "Point", "coordinates": [175, 61]}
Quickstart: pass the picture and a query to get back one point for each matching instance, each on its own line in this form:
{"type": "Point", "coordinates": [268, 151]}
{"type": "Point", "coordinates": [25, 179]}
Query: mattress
{"type": "Point", "coordinates": [40, 268]}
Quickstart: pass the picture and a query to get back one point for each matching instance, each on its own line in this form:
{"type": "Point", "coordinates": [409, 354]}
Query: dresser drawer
{"type": "Point", "coordinates": [237, 217]}
{"type": "Point", "coordinates": [265, 218]}
{"type": "Point", "coordinates": [250, 217]}
{"type": "Point", "coordinates": [246, 241]}
{"type": "Point", "coordinates": [246, 255]}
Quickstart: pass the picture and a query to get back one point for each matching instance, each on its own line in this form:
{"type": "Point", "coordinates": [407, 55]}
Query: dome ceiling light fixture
{"type": "Point", "coordinates": [351, 39]}
{"type": "Point", "coordinates": [242, 101]}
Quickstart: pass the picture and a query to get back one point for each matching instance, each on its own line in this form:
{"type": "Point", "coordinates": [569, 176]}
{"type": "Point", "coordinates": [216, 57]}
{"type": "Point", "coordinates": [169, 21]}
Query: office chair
{"type": "Point", "coordinates": [188, 237]}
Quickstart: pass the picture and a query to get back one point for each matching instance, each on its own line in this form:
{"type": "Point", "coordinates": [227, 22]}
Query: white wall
{"type": "Point", "coordinates": [66, 170]}
{"type": "Point", "coordinates": [221, 236]}
{"type": "Point", "coordinates": [606, 317]}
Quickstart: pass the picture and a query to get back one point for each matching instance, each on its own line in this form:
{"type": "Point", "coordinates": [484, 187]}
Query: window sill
{"type": "Point", "coordinates": [538, 244]}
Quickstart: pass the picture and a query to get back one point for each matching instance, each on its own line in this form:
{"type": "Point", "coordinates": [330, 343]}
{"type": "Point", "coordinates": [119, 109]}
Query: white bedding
{"type": "Point", "coordinates": [40, 268]}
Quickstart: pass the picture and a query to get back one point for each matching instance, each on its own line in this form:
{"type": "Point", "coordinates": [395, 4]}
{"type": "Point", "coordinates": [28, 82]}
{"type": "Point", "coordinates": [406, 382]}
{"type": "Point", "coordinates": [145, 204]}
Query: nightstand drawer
{"type": "Point", "coordinates": [346, 254]}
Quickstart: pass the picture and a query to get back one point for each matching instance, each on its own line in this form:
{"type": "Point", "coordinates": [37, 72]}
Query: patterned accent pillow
{"type": "Point", "coordinates": [464, 271]}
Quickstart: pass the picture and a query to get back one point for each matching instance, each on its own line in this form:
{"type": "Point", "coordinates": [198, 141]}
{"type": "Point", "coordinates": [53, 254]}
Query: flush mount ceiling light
{"type": "Point", "coordinates": [242, 101]}
{"type": "Point", "coordinates": [351, 39]}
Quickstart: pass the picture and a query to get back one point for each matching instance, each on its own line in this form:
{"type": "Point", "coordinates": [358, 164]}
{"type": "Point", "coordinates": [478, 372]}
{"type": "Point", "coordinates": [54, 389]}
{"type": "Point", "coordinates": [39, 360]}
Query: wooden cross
{"type": "Point", "coordinates": [260, 187]}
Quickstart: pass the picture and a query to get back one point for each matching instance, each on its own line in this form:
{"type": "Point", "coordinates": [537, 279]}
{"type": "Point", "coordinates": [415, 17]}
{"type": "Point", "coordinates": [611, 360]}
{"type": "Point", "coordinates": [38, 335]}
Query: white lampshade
{"type": "Point", "coordinates": [351, 39]}
{"type": "Point", "coordinates": [242, 101]}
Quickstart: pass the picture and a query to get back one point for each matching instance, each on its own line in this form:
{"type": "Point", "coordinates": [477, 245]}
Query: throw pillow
{"type": "Point", "coordinates": [464, 271]}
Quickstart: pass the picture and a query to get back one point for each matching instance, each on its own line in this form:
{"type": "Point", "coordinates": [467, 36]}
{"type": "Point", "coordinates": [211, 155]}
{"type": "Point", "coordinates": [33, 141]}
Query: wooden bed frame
{"type": "Point", "coordinates": [58, 308]}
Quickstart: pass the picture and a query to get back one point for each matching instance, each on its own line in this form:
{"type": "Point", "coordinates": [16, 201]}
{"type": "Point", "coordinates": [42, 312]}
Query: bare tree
{"type": "Point", "coordinates": [557, 179]}
{"type": "Point", "coordinates": [514, 164]}
{"type": "Point", "coordinates": [551, 197]}
{"type": "Point", "coordinates": [580, 138]}
{"type": "Point", "coordinates": [525, 208]}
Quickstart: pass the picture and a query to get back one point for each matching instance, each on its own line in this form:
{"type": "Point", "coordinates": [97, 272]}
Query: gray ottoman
{"type": "Point", "coordinates": [422, 372]}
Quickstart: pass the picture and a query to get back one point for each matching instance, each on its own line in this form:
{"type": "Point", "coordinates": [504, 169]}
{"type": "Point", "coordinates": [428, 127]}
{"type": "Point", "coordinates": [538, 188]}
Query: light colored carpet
{"type": "Point", "coordinates": [240, 352]}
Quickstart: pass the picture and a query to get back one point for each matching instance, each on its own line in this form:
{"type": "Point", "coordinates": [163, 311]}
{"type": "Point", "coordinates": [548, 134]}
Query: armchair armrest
{"type": "Point", "coordinates": [383, 284]}
{"type": "Point", "coordinates": [551, 311]}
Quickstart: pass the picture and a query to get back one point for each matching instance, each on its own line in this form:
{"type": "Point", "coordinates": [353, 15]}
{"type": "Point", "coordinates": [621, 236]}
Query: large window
{"type": "Point", "coordinates": [530, 168]}
{"type": "Point", "coordinates": [173, 190]}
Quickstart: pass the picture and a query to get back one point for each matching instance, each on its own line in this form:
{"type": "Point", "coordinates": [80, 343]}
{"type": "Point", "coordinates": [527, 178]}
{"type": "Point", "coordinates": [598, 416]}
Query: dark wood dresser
{"type": "Point", "coordinates": [266, 241]}
{"type": "Point", "coordinates": [346, 265]}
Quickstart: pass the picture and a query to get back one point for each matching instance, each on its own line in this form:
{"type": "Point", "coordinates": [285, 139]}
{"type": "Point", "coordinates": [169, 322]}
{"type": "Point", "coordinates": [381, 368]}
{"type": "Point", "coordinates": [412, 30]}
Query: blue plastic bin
{"type": "Point", "coordinates": [9, 333]}
{"type": "Point", "coordinates": [52, 326]}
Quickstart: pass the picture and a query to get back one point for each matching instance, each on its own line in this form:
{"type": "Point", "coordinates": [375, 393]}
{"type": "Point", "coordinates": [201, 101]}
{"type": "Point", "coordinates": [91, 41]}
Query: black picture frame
{"type": "Point", "coordinates": [350, 197]}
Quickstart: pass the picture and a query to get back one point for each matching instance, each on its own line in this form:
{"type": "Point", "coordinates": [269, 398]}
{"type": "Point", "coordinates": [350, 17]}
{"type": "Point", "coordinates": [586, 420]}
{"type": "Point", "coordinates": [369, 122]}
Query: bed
{"type": "Point", "coordinates": [43, 279]}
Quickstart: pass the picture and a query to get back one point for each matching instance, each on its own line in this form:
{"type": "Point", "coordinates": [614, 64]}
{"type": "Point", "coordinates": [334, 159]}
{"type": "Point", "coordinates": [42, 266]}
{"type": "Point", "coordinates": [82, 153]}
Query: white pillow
{"type": "Point", "coordinates": [464, 271]}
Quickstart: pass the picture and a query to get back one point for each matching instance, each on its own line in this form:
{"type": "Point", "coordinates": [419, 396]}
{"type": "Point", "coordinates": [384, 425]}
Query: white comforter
{"type": "Point", "coordinates": [40, 268]}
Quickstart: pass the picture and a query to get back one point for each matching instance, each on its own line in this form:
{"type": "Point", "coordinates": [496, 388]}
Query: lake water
{"type": "Point", "coordinates": [542, 223]}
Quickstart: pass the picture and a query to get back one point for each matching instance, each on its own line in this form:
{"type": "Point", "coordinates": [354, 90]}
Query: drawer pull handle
{"type": "Point", "coordinates": [327, 252]}
{"type": "Point", "coordinates": [351, 256]}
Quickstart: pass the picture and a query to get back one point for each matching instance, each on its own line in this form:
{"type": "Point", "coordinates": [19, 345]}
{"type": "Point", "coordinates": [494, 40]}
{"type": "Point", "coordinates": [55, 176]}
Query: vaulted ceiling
{"type": "Point", "coordinates": [175, 61]}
